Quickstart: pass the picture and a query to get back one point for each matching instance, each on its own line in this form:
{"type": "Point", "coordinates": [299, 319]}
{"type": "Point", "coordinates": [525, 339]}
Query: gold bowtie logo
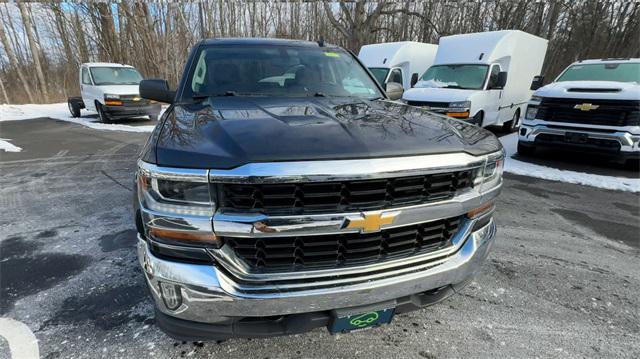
{"type": "Point", "coordinates": [586, 107]}
{"type": "Point", "coordinates": [370, 221]}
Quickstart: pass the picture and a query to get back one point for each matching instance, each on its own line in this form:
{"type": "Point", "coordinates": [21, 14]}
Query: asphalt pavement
{"type": "Point", "coordinates": [562, 281]}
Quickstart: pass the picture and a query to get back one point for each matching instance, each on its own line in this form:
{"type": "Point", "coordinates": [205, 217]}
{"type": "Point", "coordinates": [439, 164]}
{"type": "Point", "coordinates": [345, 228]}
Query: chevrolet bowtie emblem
{"type": "Point", "coordinates": [370, 221]}
{"type": "Point", "coordinates": [586, 107]}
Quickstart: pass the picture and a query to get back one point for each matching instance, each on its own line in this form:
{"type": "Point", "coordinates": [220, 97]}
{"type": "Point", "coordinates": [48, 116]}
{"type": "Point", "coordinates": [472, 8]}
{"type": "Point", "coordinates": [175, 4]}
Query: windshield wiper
{"type": "Point", "coordinates": [198, 96]}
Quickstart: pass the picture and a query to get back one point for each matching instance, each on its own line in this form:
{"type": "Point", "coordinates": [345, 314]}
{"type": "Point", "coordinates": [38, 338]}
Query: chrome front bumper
{"type": "Point", "coordinates": [628, 137]}
{"type": "Point", "coordinates": [210, 295]}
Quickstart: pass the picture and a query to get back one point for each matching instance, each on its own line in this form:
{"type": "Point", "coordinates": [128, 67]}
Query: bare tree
{"type": "Point", "coordinates": [35, 50]}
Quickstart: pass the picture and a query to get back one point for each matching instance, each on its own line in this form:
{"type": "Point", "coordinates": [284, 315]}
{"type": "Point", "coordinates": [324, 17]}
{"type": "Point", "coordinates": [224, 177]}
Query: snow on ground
{"type": "Point", "coordinates": [60, 111]}
{"type": "Point", "coordinates": [514, 166]}
{"type": "Point", "coordinates": [6, 146]}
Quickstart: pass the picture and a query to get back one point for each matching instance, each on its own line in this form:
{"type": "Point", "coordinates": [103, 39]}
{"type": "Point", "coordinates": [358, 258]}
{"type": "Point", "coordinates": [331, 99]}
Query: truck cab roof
{"type": "Point", "coordinates": [104, 64]}
{"type": "Point", "coordinates": [262, 42]}
{"type": "Point", "coordinates": [607, 61]}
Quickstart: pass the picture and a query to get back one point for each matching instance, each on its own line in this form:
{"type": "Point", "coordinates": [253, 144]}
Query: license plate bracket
{"type": "Point", "coordinates": [352, 319]}
{"type": "Point", "coordinates": [576, 137]}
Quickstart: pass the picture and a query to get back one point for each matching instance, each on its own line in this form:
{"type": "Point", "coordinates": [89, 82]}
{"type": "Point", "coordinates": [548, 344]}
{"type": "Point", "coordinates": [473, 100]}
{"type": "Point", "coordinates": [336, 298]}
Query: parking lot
{"type": "Point", "coordinates": [562, 280]}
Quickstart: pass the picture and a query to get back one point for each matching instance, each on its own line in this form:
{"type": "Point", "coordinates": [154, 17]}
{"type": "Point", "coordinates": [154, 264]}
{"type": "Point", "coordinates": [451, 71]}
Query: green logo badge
{"type": "Point", "coordinates": [364, 319]}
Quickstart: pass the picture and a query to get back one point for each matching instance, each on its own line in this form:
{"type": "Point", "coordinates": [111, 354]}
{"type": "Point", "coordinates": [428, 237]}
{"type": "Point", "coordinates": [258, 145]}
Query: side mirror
{"type": "Point", "coordinates": [157, 90]}
{"type": "Point", "coordinates": [501, 80]}
{"type": "Point", "coordinates": [394, 90]}
{"type": "Point", "coordinates": [414, 79]}
{"type": "Point", "coordinates": [537, 82]}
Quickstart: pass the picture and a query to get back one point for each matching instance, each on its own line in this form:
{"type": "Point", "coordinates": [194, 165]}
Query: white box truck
{"type": "Point", "coordinates": [401, 62]}
{"type": "Point", "coordinates": [483, 77]}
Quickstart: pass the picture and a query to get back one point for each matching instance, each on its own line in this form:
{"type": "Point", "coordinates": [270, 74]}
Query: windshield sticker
{"type": "Point", "coordinates": [332, 54]}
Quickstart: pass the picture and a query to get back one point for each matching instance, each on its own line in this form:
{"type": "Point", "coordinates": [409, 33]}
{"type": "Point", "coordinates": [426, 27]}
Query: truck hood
{"type": "Point", "coordinates": [227, 132]}
{"type": "Point", "coordinates": [437, 94]}
{"type": "Point", "coordinates": [120, 89]}
{"type": "Point", "coordinates": [610, 90]}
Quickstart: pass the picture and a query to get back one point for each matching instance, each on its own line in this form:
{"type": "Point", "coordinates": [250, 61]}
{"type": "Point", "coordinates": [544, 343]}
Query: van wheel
{"type": "Point", "coordinates": [73, 109]}
{"type": "Point", "coordinates": [513, 124]}
{"type": "Point", "coordinates": [477, 119]}
{"type": "Point", "coordinates": [101, 115]}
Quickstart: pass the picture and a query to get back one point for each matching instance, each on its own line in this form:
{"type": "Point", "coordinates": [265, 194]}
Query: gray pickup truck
{"type": "Point", "coordinates": [282, 191]}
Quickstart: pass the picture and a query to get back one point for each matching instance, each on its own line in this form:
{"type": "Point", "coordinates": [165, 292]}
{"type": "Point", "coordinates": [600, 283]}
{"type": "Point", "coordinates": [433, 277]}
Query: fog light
{"type": "Point", "coordinates": [170, 295]}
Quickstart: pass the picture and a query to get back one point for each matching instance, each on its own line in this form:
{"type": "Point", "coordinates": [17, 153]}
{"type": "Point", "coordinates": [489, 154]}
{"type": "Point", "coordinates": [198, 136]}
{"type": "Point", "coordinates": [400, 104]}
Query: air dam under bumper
{"type": "Point", "coordinates": [204, 300]}
{"type": "Point", "coordinates": [132, 110]}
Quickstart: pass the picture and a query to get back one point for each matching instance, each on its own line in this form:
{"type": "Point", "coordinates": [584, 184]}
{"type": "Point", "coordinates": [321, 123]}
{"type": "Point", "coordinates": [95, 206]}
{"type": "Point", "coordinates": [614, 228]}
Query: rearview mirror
{"type": "Point", "coordinates": [501, 80]}
{"type": "Point", "coordinates": [394, 90]}
{"type": "Point", "coordinates": [157, 90]}
{"type": "Point", "coordinates": [414, 79]}
{"type": "Point", "coordinates": [537, 82]}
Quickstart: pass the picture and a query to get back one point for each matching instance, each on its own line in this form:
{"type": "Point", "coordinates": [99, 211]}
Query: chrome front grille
{"type": "Point", "coordinates": [342, 196]}
{"type": "Point", "coordinates": [300, 253]}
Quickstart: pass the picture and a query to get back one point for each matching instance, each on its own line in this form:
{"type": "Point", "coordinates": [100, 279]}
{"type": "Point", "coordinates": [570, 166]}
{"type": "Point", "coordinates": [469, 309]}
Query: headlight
{"type": "Point", "coordinates": [531, 113]}
{"type": "Point", "coordinates": [111, 97]}
{"type": "Point", "coordinates": [490, 175]}
{"type": "Point", "coordinates": [459, 105]}
{"type": "Point", "coordinates": [176, 204]}
{"type": "Point", "coordinates": [536, 98]}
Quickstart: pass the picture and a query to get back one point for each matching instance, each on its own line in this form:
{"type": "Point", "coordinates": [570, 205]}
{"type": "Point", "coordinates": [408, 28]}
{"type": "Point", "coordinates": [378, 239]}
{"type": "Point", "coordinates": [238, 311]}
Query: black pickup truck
{"type": "Point", "coordinates": [283, 190]}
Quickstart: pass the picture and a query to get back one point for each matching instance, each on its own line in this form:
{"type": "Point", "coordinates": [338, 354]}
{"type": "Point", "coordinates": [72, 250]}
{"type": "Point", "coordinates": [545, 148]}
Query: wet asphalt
{"type": "Point", "coordinates": [562, 281]}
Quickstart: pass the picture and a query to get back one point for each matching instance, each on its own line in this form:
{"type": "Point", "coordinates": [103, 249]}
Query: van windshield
{"type": "Point", "coordinates": [285, 71]}
{"type": "Point", "coordinates": [380, 73]}
{"type": "Point", "coordinates": [455, 76]}
{"type": "Point", "coordinates": [629, 72]}
{"type": "Point", "coordinates": [115, 76]}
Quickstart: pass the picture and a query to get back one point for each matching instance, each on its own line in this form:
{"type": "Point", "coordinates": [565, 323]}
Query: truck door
{"type": "Point", "coordinates": [493, 97]}
{"type": "Point", "coordinates": [87, 90]}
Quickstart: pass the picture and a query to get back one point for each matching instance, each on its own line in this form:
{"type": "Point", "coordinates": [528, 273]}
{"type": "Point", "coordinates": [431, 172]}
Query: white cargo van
{"type": "Point", "coordinates": [483, 77]}
{"type": "Point", "coordinates": [401, 62]}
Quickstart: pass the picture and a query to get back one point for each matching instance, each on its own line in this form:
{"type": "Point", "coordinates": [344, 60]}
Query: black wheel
{"type": "Point", "coordinates": [74, 109]}
{"type": "Point", "coordinates": [477, 118]}
{"type": "Point", "coordinates": [101, 115]}
{"type": "Point", "coordinates": [524, 150]}
{"type": "Point", "coordinates": [513, 124]}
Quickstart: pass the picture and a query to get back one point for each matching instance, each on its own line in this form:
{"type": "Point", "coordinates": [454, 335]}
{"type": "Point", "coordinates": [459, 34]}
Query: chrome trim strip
{"type": "Point", "coordinates": [229, 224]}
{"type": "Point", "coordinates": [236, 267]}
{"type": "Point", "coordinates": [624, 138]}
{"type": "Point", "coordinates": [173, 173]}
{"type": "Point", "coordinates": [342, 170]}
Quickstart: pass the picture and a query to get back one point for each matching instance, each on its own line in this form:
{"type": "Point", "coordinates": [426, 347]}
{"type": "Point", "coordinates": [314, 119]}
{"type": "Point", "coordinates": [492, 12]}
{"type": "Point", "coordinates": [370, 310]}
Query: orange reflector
{"type": "Point", "coordinates": [113, 102]}
{"type": "Point", "coordinates": [182, 235]}
{"type": "Point", "coordinates": [476, 212]}
{"type": "Point", "coordinates": [458, 114]}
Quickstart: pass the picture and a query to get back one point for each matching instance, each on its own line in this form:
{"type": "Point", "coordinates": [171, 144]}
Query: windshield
{"type": "Point", "coordinates": [455, 76]}
{"type": "Point", "coordinates": [279, 71]}
{"type": "Point", "coordinates": [628, 72]}
{"type": "Point", "coordinates": [380, 73]}
{"type": "Point", "coordinates": [115, 76]}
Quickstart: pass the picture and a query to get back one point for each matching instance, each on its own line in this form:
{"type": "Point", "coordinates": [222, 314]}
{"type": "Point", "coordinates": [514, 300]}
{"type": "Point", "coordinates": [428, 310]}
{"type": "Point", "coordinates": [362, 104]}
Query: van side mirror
{"type": "Point", "coordinates": [414, 79]}
{"type": "Point", "coordinates": [157, 90]}
{"type": "Point", "coordinates": [500, 81]}
{"type": "Point", "coordinates": [394, 90]}
{"type": "Point", "coordinates": [537, 82]}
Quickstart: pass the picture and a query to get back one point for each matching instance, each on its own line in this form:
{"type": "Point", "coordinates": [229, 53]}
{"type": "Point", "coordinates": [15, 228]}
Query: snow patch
{"type": "Point", "coordinates": [60, 111]}
{"type": "Point", "coordinates": [6, 146]}
{"type": "Point", "coordinates": [510, 143]}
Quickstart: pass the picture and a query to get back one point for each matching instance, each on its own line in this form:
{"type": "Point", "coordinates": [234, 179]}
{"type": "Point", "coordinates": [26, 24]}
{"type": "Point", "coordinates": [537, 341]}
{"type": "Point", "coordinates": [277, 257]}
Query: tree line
{"type": "Point", "coordinates": [42, 44]}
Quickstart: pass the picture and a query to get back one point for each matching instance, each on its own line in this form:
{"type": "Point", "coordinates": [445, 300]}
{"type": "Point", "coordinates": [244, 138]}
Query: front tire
{"type": "Point", "coordinates": [73, 109]}
{"type": "Point", "coordinates": [477, 119]}
{"type": "Point", "coordinates": [513, 124]}
{"type": "Point", "coordinates": [102, 116]}
{"type": "Point", "coordinates": [524, 150]}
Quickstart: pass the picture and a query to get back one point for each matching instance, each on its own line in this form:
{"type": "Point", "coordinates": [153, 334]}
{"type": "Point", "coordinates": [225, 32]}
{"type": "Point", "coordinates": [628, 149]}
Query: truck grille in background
{"type": "Point", "coordinates": [316, 252]}
{"type": "Point", "coordinates": [128, 100]}
{"type": "Point", "coordinates": [609, 112]}
{"type": "Point", "coordinates": [298, 198]}
{"type": "Point", "coordinates": [428, 103]}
